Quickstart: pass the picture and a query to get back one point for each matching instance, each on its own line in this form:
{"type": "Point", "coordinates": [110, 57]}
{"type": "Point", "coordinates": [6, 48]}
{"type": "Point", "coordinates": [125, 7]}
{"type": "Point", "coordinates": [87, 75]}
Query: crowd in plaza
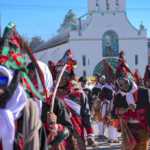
{"type": "Point", "coordinates": [48, 107]}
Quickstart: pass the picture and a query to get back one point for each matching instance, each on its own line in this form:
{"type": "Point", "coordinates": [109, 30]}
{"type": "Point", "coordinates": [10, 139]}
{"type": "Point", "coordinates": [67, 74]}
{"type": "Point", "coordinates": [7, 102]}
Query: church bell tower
{"type": "Point", "coordinates": [106, 6]}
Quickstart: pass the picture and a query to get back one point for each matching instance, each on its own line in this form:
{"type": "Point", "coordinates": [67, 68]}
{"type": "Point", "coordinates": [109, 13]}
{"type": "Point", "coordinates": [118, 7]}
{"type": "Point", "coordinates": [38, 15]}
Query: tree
{"type": "Point", "coordinates": [69, 23]}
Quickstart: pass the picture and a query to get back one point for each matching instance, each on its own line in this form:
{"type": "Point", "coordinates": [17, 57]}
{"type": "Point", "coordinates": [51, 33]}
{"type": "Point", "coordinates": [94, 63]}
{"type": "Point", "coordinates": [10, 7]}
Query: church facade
{"type": "Point", "coordinates": [103, 32]}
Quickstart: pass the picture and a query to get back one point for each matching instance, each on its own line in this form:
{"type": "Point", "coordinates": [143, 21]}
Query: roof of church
{"type": "Point", "coordinates": [53, 42]}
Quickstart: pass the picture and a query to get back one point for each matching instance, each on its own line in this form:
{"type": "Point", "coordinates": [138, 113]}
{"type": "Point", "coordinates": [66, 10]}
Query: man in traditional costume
{"type": "Point", "coordinates": [20, 126]}
{"type": "Point", "coordinates": [11, 106]}
{"type": "Point", "coordinates": [107, 95]}
{"type": "Point", "coordinates": [14, 107]}
{"type": "Point", "coordinates": [132, 106]}
{"type": "Point", "coordinates": [96, 91]}
{"type": "Point", "coordinates": [57, 124]}
{"type": "Point", "coordinates": [12, 58]}
{"type": "Point", "coordinates": [88, 92]}
{"type": "Point", "coordinates": [76, 103]}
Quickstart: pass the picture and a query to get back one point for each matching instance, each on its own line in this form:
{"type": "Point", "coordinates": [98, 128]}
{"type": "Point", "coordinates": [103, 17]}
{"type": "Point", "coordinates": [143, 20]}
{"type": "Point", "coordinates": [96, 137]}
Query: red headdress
{"type": "Point", "coordinates": [11, 56]}
{"type": "Point", "coordinates": [67, 59]}
{"type": "Point", "coordinates": [122, 70]}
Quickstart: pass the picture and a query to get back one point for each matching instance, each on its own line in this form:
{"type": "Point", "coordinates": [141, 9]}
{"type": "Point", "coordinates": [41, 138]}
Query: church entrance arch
{"type": "Point", "coordinates": [110, 44]}
{"type": "Point", "coordinates": [107, 67]}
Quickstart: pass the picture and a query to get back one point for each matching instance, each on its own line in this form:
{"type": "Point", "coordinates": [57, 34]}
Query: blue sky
{"type": "Point", "coordinates": [43, 17]}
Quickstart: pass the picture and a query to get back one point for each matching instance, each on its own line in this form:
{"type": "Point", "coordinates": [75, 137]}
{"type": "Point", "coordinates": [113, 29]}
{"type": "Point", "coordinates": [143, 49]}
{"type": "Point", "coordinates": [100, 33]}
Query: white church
{"type": "Point", "coordinates": [103, 32]}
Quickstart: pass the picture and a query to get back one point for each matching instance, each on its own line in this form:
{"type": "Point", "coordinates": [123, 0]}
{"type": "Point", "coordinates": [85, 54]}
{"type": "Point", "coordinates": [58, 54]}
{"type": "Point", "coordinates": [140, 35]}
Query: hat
{"type": "Point", "coordinates": [67, 59]}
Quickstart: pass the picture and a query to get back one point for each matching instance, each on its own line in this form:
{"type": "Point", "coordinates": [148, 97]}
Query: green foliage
{"type": "Point", "coordinates": [69, 23]}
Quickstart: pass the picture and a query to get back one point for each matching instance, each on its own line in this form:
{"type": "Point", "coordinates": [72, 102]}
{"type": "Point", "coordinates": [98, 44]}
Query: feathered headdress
{"type": "Point", "coordinates": [11, 56]}
{"type": "Point", "coordinates": [67, 59]}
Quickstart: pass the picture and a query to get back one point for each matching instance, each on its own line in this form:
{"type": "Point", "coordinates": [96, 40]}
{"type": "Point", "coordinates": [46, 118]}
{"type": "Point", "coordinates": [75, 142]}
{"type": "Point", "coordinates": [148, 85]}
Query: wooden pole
{"type": "Point", "coordinates": [56, 88]}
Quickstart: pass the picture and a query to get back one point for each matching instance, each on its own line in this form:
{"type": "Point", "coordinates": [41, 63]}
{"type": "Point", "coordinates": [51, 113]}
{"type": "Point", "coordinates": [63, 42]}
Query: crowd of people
{"type": "Point", "coordinates": [47, 107]}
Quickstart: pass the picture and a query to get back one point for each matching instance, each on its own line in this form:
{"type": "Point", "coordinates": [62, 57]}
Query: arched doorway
{"type": "Point", "coordinates": [107, 67]}
{"type": "Point", "coordinates": [110, 44]}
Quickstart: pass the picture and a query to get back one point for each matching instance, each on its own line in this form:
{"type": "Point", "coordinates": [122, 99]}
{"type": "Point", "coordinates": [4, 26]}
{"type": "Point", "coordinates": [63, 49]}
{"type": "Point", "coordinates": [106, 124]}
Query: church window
{"type": "Point", "coordinates": [110, 44]}
{"type": "Point", "coordinates": [149, 44]}
{"type": "Point", "coordinates": [107, 4]}
{"type": "Point", "coordinates": [117, 3]}
{"type": "Point", "coordinates": [148, 59]}
{"type": "Point", "coordinates": [84, 73]}
{"type": "Point", "coordinates": [97, 5]}
{"type": "Point", "coordinates": [88, 61]}
{"type": "Point", "coordinates": [136, 59]}
{"type": "Point", "coordinates": [84, 60]}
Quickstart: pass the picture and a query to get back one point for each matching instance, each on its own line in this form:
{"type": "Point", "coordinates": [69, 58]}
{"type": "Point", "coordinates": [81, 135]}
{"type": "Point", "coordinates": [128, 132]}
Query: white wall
{"type": "Point", "coordinates": [103, 7]}
{"type": "Point", "coordinates": [91, 5]}
{"type": "Point", "coordinates": [92, 51]}
{"type": "Point", "coordinates": [132, 48]}
{"type": "Point", "coordinates": [53, 54]}
{"type": "Point", "coordinates": [90, 44]}
{"type": "Point", "coordinates": [129, 39]}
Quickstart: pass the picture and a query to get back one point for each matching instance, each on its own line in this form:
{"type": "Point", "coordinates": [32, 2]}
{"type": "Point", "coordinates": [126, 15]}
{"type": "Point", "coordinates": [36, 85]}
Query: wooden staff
{"type": "Point", "coordinates": [56, 88]}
